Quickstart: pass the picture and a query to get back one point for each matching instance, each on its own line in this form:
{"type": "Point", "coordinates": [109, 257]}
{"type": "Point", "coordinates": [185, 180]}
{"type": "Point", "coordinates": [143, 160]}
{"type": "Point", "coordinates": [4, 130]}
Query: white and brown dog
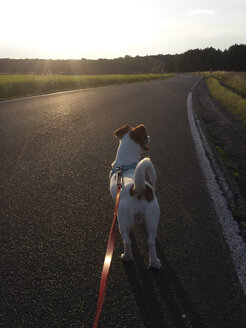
{"type": "Point", "coordinates": [138, 203]}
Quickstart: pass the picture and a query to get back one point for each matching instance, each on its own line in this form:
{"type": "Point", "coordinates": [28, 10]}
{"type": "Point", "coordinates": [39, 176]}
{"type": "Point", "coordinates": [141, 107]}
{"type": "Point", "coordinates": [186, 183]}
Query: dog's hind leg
{"type": "Point", "coordinates": [151, 222]}
{"type": "Point", "coordinates": [154, 262]}
{"type": "Point", "coordinates": [127, 255]}
{"type": "Point", "coordinates": [125, 221]}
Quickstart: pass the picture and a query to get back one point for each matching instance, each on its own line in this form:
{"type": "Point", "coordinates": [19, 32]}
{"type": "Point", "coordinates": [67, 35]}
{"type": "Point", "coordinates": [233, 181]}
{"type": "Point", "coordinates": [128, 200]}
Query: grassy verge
{"type": "Point", "coordinates": [220, 149]}
{"type": "Point", "coordinates": [230, 165]}
{"type": "Point", "coordinates": [16, 86]}
{"type": "Point", "coordinates": [232, 80]}
{"type": "Point", "coordinates": [236, 81]}
{"type": "Point", "coordinates": [228, 98]}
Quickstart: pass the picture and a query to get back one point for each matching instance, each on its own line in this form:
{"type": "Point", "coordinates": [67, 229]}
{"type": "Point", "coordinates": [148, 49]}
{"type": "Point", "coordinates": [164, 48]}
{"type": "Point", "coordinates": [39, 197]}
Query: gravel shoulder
{"type": "Point", "coordinates": [226, 135]}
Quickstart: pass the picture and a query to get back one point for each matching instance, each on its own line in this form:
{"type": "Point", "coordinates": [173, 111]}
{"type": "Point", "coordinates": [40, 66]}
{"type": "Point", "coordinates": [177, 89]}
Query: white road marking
{"type": "Point", "coordinates": [229, 226]}
{"type": "Point", "coordinates": [44, 95]}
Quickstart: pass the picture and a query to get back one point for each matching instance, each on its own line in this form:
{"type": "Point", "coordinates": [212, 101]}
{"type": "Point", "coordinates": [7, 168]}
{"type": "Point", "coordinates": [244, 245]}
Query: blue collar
{"type": "Point", "coordinates": [123, 168]}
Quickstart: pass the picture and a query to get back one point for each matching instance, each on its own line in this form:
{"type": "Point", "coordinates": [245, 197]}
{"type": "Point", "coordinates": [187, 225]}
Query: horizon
{"type": "Point", "coordinates": [95, 30]}
{"type": "Point", "coordinates": [151, 55]}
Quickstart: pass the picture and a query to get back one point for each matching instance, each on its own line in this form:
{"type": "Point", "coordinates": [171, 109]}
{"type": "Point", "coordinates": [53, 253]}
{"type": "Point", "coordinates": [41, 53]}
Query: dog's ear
{"type": "Point", "coordinates": [121, 131]}
{"type": "Point", "coordinates": [139, 135]}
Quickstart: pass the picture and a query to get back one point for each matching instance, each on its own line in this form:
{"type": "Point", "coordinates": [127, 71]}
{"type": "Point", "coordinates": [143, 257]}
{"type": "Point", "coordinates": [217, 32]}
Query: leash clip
{"type": "Point", "coordinates": [119, 177]}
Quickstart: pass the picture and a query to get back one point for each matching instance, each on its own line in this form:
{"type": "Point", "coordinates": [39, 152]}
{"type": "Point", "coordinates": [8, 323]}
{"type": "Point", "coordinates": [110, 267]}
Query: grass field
{"type": "Point", "coordinates": [229, 89]}
{"type": "Point", "coordinates": [16, 86]}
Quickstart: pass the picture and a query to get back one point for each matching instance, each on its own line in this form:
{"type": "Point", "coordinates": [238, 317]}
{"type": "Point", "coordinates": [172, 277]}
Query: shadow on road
{"type": "Point", "coordinates": [159, 295]}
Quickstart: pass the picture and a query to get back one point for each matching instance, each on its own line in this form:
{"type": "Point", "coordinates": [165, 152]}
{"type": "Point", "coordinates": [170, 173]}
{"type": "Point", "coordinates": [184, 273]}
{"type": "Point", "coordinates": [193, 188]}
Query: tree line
{"type": "Point", "coordinates": [231, 59]}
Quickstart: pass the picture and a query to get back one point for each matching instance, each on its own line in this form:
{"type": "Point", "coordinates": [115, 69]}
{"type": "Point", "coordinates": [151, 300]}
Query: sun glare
{"type": "Point", "coordinates": [61, 29]}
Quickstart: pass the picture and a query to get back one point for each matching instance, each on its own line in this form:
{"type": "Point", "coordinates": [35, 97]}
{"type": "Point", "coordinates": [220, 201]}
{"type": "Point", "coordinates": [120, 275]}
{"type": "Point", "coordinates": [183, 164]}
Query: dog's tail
{"type": "Point", "coordinates": [144, 167]}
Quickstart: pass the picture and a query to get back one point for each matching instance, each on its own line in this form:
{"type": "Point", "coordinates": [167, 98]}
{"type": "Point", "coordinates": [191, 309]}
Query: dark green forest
{"type": "Point", "coordinates": [231, 59]}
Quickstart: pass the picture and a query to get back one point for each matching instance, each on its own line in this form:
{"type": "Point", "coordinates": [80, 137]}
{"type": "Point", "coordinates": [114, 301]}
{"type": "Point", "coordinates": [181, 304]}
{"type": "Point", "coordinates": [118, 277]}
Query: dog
{"type": "Point", "coordinates": [138, 203]}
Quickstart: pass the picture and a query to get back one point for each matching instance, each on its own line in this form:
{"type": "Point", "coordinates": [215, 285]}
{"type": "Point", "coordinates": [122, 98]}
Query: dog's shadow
{"type": "Point", "coordinates": [159, 295]}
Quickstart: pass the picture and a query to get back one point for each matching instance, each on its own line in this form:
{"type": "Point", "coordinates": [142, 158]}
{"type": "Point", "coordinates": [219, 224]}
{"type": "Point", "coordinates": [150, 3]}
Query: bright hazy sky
{"type": "Point", "coordinates": [92, 29]}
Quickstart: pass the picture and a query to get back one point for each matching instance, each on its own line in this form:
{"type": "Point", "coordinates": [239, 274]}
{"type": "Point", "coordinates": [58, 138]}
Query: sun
{"type": "Point", "coordinates": [71, 29]}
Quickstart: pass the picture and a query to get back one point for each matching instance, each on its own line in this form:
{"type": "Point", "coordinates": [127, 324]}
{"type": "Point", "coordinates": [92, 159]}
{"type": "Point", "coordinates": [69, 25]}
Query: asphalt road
{"type": "Point", "coordinates": [56, 213]}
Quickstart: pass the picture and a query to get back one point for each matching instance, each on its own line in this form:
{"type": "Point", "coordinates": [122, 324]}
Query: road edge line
{"type": "Point", "coordinates": [230, 228]}
{"type": "Point", "coordinates": [43, 95]}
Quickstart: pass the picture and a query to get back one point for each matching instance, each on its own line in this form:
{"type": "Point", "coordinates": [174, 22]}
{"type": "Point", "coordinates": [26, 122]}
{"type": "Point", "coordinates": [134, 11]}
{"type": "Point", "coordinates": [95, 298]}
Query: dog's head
{"type": "Point", "coordinates": [138, 135]}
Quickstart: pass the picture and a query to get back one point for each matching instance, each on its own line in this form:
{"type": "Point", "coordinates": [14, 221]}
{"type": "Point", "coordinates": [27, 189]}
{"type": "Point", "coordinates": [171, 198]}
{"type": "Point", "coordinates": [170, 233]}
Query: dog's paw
{"type": "Point", "coordinates": [126, 258]}
{"type": "Point", "coordinates": [155, 264]}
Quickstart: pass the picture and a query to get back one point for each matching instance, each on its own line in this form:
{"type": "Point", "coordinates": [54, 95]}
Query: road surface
{"type": "Point", "coordinates": [56, 213]}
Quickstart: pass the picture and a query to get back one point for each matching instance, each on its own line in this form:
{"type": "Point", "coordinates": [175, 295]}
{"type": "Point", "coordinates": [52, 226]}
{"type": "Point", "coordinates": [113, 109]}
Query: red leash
{"type": "Point", "coordinates": [109, 254]}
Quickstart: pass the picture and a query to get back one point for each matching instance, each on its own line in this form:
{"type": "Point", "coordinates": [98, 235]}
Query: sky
{"type": "Point", "coordinates": [92, 29]}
